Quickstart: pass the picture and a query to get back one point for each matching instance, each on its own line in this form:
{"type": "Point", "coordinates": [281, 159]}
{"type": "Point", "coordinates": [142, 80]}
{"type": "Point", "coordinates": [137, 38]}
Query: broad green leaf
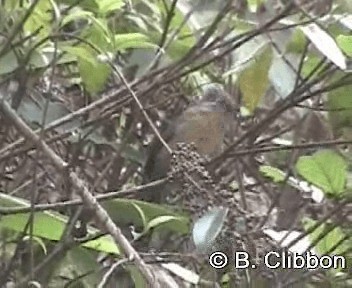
{"type": "Point", "coordinates": [141, 214]}
{"type": "Point", "coordinates": [42, 16]}
{"type": "Point", "coordinates": [106, 6]}
{"type": "Point", "coordinates": [76, 15]}
{"type": "Point", "coordinates": [123, 211]}
{"type": "Point", "coordinates": [161, 220]}
{"type": "Point", "coordinates": [81, 52]}
{"type": "Point", "coordinates": [48, 225]}
{"type": "Point", "coordinates": [94, 76]}
{"type": "Point", "coordinates": [272, 172]}
{"type": "Point", "coordinates": [132, 40]}
{"type": "Point", "coordinates": [340, 107]}
{"type": "Point", "coordinates": [136, 276]}
{"type": "Point", "coordinates": [325, 169]}
{"type": "Point", "coordinates": [77, 262]}
{"type": "Point", "coordinates": [345, 43]}
{"type": "Point", "coordinates": [254, 81]}
{"type": "Point", "coordinates": [297, 42]}
{"type": "Point", "coordinates": [326, 241]}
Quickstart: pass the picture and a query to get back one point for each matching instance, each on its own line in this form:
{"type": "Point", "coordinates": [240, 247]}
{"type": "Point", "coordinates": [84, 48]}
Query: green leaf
{"type": "Point", "coordinates": [254, 81]}
{"type": "Point", "coordinates": [77, 262]}
{"type": "Point", "coordinates": [42, 16]}
{"type": "Point", "coordinates": [297, 42]}
{"type": "Point", "coordinates": [48, 225]}
{"type": "Point", "coordinates": [75, 15]}
{"type": "Point", "coordinates": [106, 6]}
{"type": "Point", "coordinates": [345, 43]}
{"type": "Point", "coordinates": [94, 76]}
{"type": "Point", "coordinates": [326, 241]}
{"type": "Point", "coordinates": [141, 214]}
{"type": "Point", "coordinates": [161, 220]}
{"type": "Point", "coordinates": [340, 107]}
{"type": "Point", "coordinates": [80, 52]}
{"type": "Point", "coordinates": [123, 211]}
{"type": "Point", "coordinates": [132, 40]}
{"type": "Point", "coordinates": [8, 63]}
{"type": "Point", "coordinates": [272, 172]}
{"type": "Point", "coordinates": [325, 169]}
{"type": "Point", "coordinates": [254, 4]}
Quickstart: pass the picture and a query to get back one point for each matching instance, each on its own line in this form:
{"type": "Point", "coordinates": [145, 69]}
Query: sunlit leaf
{"type": "Point", "coordinates": [325, 44]}
{"type": "Point", "coordinates": [325, 169]}
{"type": "Point", "coordinates": [254, 81]}
{"type": "Point", "coordinates": [345, 43]}
{"type": "Point", "coordinates": [132, 40]}
{"type": "Point", "coordinates": [207, 228]}
{"type": "Point", "coordinates": [106, 6]}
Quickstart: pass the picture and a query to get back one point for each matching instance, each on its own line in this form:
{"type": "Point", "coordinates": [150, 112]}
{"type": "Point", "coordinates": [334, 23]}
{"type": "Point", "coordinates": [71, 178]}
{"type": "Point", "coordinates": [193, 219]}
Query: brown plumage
{"type": "Point", "coordinates": [203, 123]}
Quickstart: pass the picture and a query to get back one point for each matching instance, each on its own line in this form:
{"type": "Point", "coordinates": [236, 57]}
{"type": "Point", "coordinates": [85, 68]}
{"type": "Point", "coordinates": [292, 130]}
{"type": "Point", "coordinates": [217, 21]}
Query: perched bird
{"type": "Point", "coordinates": [203, 123]}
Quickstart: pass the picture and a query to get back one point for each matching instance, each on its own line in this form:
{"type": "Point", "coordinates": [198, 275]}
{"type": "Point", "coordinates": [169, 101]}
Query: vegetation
{"type": "Point", "coordinates": [84, 85]}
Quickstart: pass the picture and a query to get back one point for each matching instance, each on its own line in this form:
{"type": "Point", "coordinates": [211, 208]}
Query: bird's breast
{"type": "Point", "coordinates": [205, 130]}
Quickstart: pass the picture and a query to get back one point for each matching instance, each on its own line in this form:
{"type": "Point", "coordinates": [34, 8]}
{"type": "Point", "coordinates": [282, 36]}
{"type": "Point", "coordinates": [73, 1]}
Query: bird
{"type": "Point", "coordinates": [203, 123]}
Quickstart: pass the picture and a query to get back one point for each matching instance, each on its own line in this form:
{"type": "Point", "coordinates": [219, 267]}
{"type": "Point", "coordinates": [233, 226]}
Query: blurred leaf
{"type": "Point", "coordinates": [81, 52]}
{"type": "Point", "coordinates": [39, 241]}
{"type": "Point", "coordinates": [107, 6]}
{"type": "Point", "coordinates": [346, 20]}
{"type": "Point", "coordinates": [340, 106]}
{"type": "Point", "coordinates": [78, 262]}
{"type": "Point", "coordinates": [8, 63]}
{"type": "Point", "coordinates": [207, 228]}
{"type": "Point", "coordinates": [325, 169]}
{"type": "Point", "coordinates": [132, 40]}
{"type": "Point", "coordinates": [32, 111]}
{"type": "Point", "coordinates": [325, 44]}
{"type": "Point", "coordinates": [137, 277]}
{"type": "Point", "coordinates": [99, 35]}
{"type": "Point", "coordinates": [75, 15]}
{"type": "Point", "coordinates": [282, 73]}
{"type": "Point", "coordinates": [328, 241]}
{"type": "Point", "coordinates": [123, 211]}
{"type": "Point", "coordinates": [41, 17]}
{"type": "Point", "coordinates": [310, 64]}
{"type": "Point", "coordinates": [141, 214]}
{"type": "Point", "coordinates": [297, 42]}
{"type": "Point", "coordinates": [253, 81]}
{"type": "Point", "coordinates": [48, 225]}
{"type": "Point", "coordinates": [345, 43]}
{"type": "Point", "coordinates": [254, 4]}
{"type": "Point", "coordinates": [246, 54]}
{"type": "Point", "coordinates": [161, 220]}
{"type": "Point", "coordinates": [187, 275]}
{"type": "Point", "coordinates": [272, 172]}
{"type": "Point", "coordinates": [95, 75]}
